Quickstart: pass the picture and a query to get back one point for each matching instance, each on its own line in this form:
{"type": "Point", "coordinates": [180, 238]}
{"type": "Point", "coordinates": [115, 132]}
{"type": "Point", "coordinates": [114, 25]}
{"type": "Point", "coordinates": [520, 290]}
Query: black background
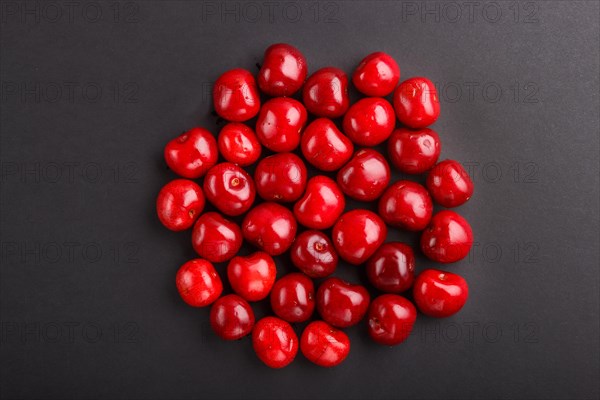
{"type": "Point", "coordinates": [89, 307]}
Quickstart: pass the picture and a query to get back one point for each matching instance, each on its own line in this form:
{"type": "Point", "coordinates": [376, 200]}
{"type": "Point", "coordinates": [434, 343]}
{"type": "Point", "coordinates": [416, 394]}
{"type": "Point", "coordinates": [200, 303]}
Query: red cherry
{"type": "Point", "coordinates": [215, 238]}
{"type": "Point", "coordinates": [231, 317]}
{"type": "Point", "coordinates": [192, 153]}
{"type": "Point", "coordinates": [229, 188]}
{"type": "Point", "coordinates": [324, 146]}
{"type": "Point", "coordinates": [392, 268]}
{"type": "Point", "coordinates": [414, 151]}
{"type": "Point", "coordinates": [238, 144]}
{"type": "Point", "coordinates": [323, 202]}
{"type": "Point", "coordinates": [416, 102]}
{"type": "Point", "coordinates": [279, 124]}
{"type": "Point", "coordinates": [357, 234]}
{"type": "Point", "coordinates": [440, 294]}
{"type": "Point", "coordinates": [253, 276]}
{"type": "Point", "coordinates": [293, 297]}
{"type": "Point", "coordinates": [283, 70]}
{"type": "Point", "coordinates": [341, 303]}
{"type": "Point", "coordinates": [324, 345]}
{"type": "Point", "coordinates": [406, 205]}
{"type": "Point", "coordinates": [391, 319]}
{"type": "Point", "coordinates": [179, 203]}
{"type": "Point", "coordinates": [369, 121]}
{"type": "Point", "coordinates": [198, 283]}
{"type": "Point", "coordinates": [377, 75]}
{"type": "Point", "coordinates": [313, 253]}
{"type": "Point", "coordinates": [325, 93]}
{"type": "Point", "coordinates": [448, 238]}
{"type": "Point", "coordinates": [449, 184]}
{"type": "Point", "coordinates": [270, 227]}
{"type": "Point", "coordinates": [275, 342]}
{"type": "Point", "coordinates": [235, 95]}
{"type": "Point", "coordinates": [280, 177]}
{"type": "Point", "coordinates": [366, 175]}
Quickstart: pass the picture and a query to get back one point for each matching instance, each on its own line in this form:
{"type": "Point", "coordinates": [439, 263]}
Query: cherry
{"type": "Point", "coordinates": [377, 75]}
{"type": "Point", "coordinates": [324, 345]}
{"type": "Point", "coordinates": [283, 70]}
{"type": "Point", "coordinates": [324, 146]}
{"type": "Point", "coordinates": [392, 268]}
{"type": "Point", "coordinates": [293, 297]}
{"type": "Point", "coordinates": [313, 253]}
{"type": "Point", "coordinates": [192, 153]}
{"type": "Point", "coordinates": [179, 203]}
{"type": "Point", "coordinates": [280, 177]}
{"type": "Point", "coordinates": [198, 283]}
{"type": "Point", "coordinates": [238, 144]}
{"type": "Point", "coordinates": [365, 176]}
{"type": "Point", "coordinates": [440, 294]}
{"type": "Point", "coordinates": [341, 303]}
{"type": "Point", "coordinates": [369, 121]}
{"type": "Point", "coordinates": [357, 234]}
{"type": "Point", "coordinates": [416, 102]}
{"type": "Point", "coordinates": [235, 96]}
{"type": "Point", "coordinates": [231, 317]}
{"type": "Point", "coordinates": [406, 205]}
{"type": "Point", "coordinates": [229, 188]}
{"type": "Point", "coordinates": [253, 276]}
{"type": "Point", "coordinates": [391, 319]}
{"type": "Point", "coordinates": [448, 238]}
{"type": "Point", "coordinates": [279, 124]}
{"type": "Point", "coordinates": [449, 184]}
{"type": "Point", "coordinates": [414, 151]}
{"type": "Point", "coordinates": [270, 227]}
{"type": "Point", "coordinates": [323, 202]}
{"type": "Point", "coordinates": [275, 342]}
{"type": "Point", "coordinates": [325, 93]}
{"type": "Point", "coordinates": [215, 238]}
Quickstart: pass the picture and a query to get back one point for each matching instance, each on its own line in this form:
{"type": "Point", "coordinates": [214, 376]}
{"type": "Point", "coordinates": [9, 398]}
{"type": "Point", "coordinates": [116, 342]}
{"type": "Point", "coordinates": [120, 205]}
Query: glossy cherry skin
{"type": "Point", "coordinates": [369, 121]}
{"type": "Point", "coordinates": [179, 203]}
{"type": "Point", "coordinates": [280, 177]}
{"type": "Point", "coordinates": [270, 227]}
{"type": "Point", "coordinates": [231, 317]}
{"type": "Point", "coordinates": [324, 345]}
{"type": "Point", "coordinates": [229, 188]}
{"type": "Point", "coordinates": [324, 146]}
{"type": "Point", "coordinates": [275, 342]}
{"type": "Point", "coordinates": [313, 253]}
{"type": "Point", "coordinates": [325, 93]}
{"type": "Point", "coordinates": [377, 75]}
{"type": "Point", "coordinates": [293, 297]}
{"type": "Point", "coordinates": [235, 96]}
{"type": "Point", "coordinates": [283, 70]}
{"type": "Point", "coordinates": [192, 153]}
{"type": "Point", "coordinates": [323, 202]}
{"type": "Point", "coordinates": [391, 319]}
{"type": "Point", "coordinates": [449, 184]}
{"type": "Point", "coordinates": [414, 151]}
{"type": "Point", "coordinates": [440, 294]}
{"type": "Point", "coordinates": [215, 238]}
{"type": "Point", "coordinates": [392, 268]}
{"type": "Point", "coordinates": [253, 276]}
{"type": "Point", "coordinates": [448, 238]}
{"type": "Point", "coordinates": [341, 303]}
{"type": "Point", "coordinates": [198, 283]}
{"type": "Point", "coordinates": [280, 123]}
{"type": "Point", "coordinates": [238, 144]}
{"type": "Point", "coordinates": [365, 176]}
{"type": "Point", "coordinates": [406, 205]}
{"type": "Point", "coordinates": [357, 235]}
{"type": "Point", "coordinates": [416, 103]}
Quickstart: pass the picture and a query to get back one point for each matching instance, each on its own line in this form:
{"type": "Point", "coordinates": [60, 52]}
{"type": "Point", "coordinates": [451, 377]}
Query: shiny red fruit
{"type": "Point", "coordinates": [358, 234]}
{"type": "Point", "coordinates": [231, 317]}
{"type": "Point", "coordinates": [253, 276]}
{"type": "Point", "coordinates": [416, 103]}
{"type": "Point", "coordinates": [392, 268]}
{"type": "Point", "coordinates": [414, 151]}
{"type": "Point", "coordinates": [293, 297]}
{"type": "Point", "coordinates": [406, 205]}
{"type": "Point", "coordinates": [313, 253]}
{"type": "Point", "coordinates": [238, 144]}
{"type": "Point", "coordinates": [179, 203]}
{"type": "Point", "coordinates": [270, 227]}
{"type": "Point", "coordinates": [215, 238]}
{"type": "Point", "coordinates": [440, 294]}
{"type": "Point", "coordinates": [275, 342]}
{"type": "Point", "coordinates": [377, 75]}
{"type": "Point", "coordinates": [280, 177]}
{"type": "Point", "coordinates": [192, 153]}
{"type": "Point", "coordinates": [198, 283]}
{"type": "Point", "coordinates": [341, 303]}
{"type": "Point", "coordinates": [229, 188]}
{"type": "Point", "coordinates": [325, 93]}
{"type": "Point", "coordinates": [324, 345]}
{"type": "Point", "coordinates": [449, 184]}
{"type": "Point", "coordinates": [323, 202]}
{"type": "Point", "coordinates": [365, 176]}
{"type": "Point", "coordinates": [283, 70]}
{"type": "Point", "coordinates": [369, 121]}
{"type": "Point", "coordinates": [448, 238]}
{"type": "Point", "coordinates": [391, 319]}
{"type": "Point", "coordinates": [324, 146]}
{"type": "Point", "coordinates": [280, 123]}
{"type": "Point", "coordinates": [235, 96]}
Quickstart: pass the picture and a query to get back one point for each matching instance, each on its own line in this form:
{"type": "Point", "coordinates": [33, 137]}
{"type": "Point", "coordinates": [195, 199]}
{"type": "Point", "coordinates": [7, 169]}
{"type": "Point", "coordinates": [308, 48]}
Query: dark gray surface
{"type": "Point", "coordinates": [88, 303]}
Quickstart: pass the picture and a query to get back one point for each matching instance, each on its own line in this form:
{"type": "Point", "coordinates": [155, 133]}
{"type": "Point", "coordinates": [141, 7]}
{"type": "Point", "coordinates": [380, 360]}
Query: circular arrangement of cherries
{"type": "Point", "coordinates": [298, 210]}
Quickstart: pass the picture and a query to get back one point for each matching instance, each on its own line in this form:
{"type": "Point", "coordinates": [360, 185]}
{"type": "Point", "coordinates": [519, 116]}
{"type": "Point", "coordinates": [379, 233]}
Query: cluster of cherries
{"type": "Point", "coordinates": [357, 236]}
